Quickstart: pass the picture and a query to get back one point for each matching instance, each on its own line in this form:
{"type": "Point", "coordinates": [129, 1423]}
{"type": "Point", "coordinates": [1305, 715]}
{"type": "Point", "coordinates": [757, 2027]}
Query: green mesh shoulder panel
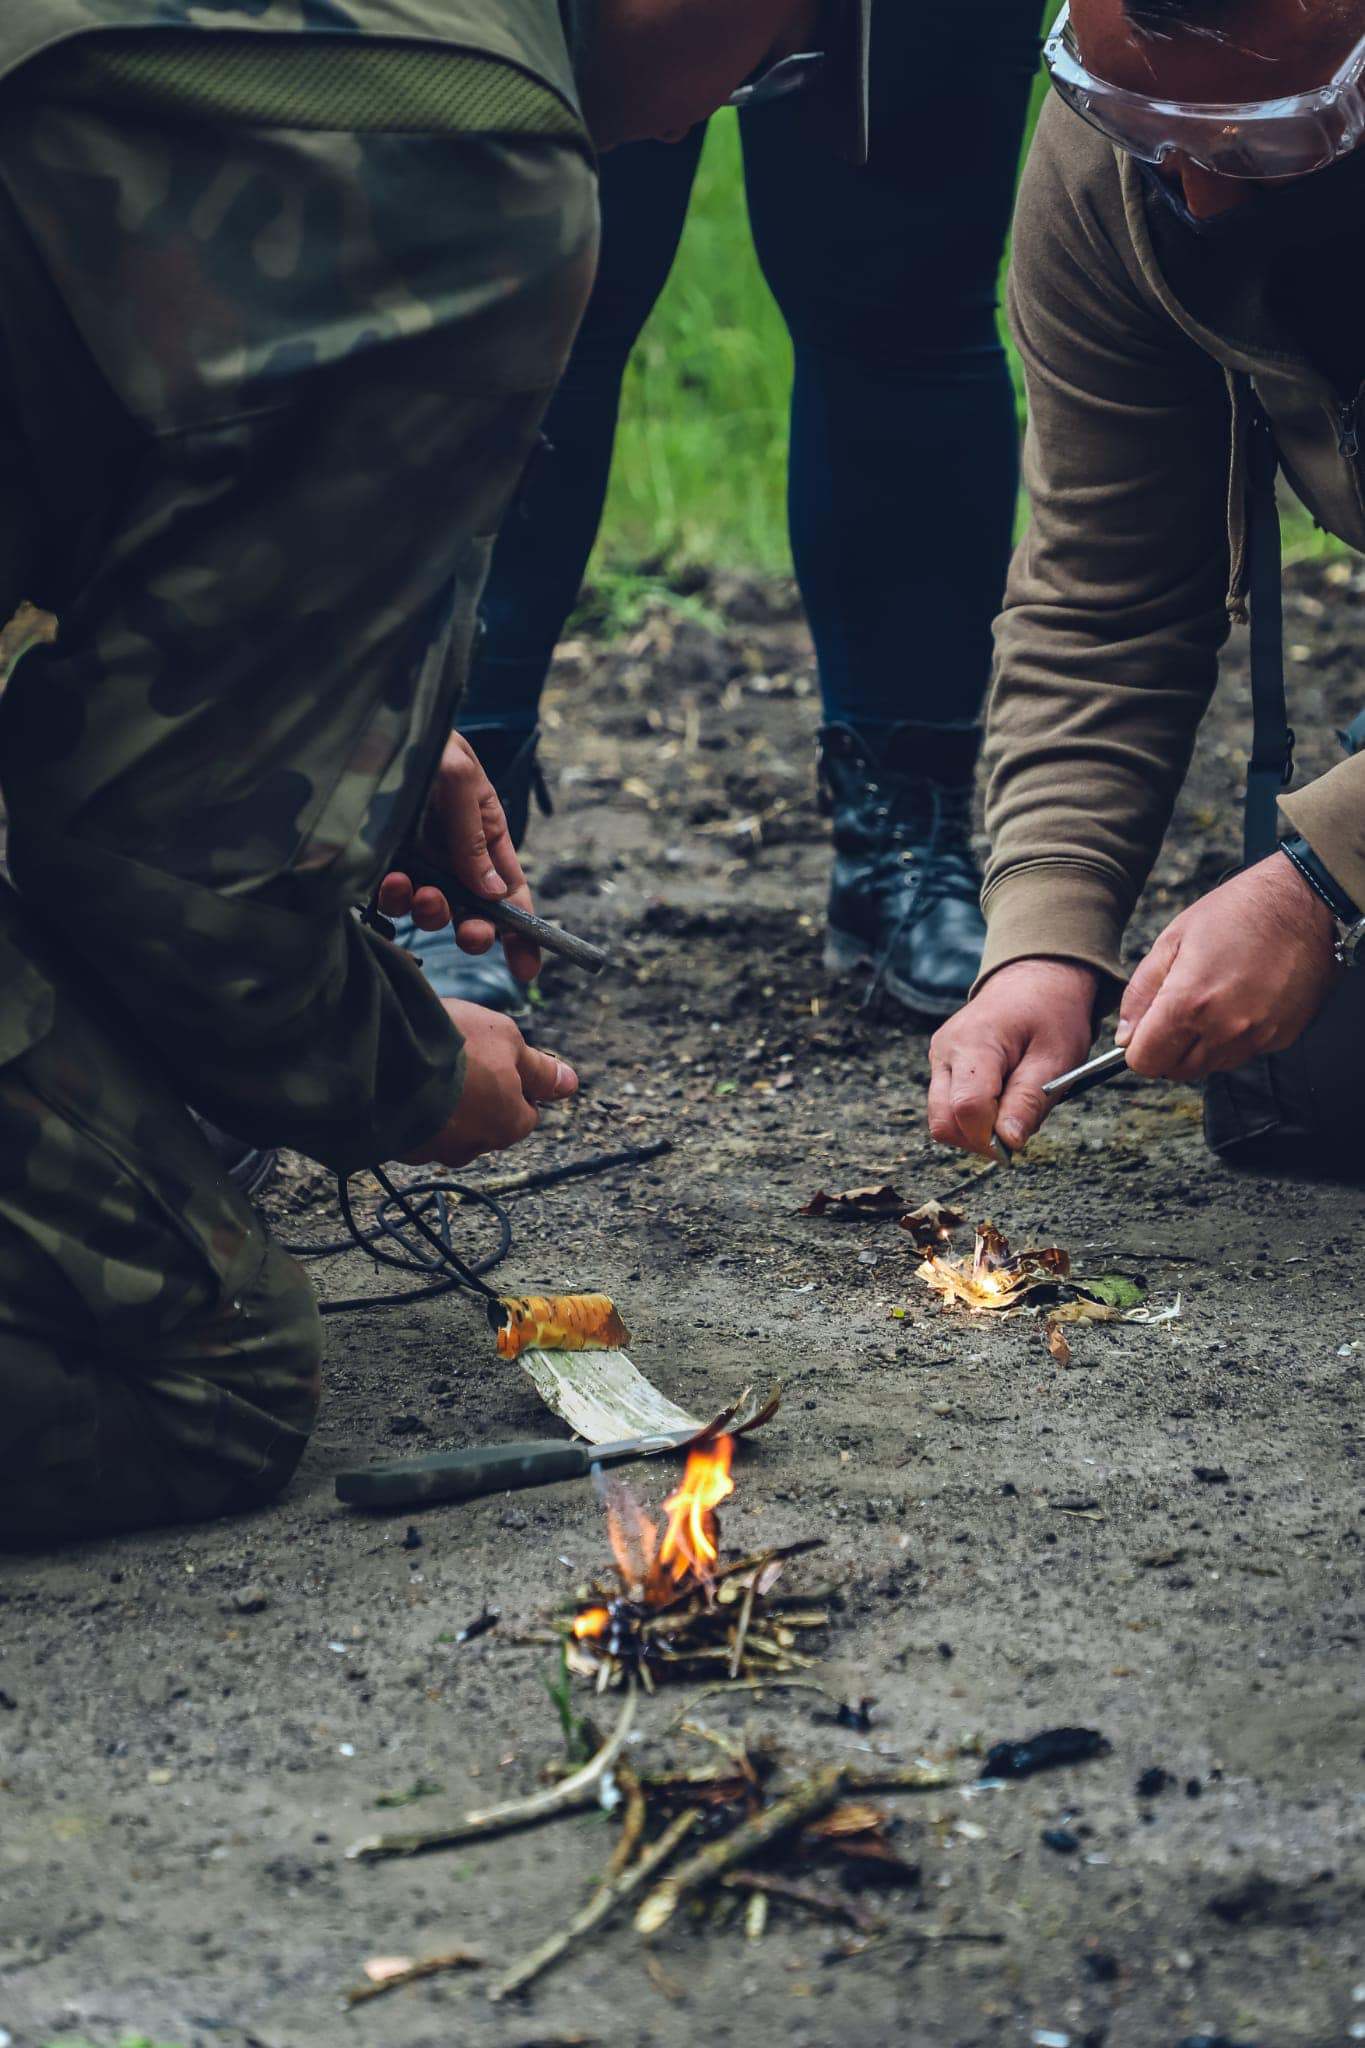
{"type": "Point", "coordinates": [324, 83]}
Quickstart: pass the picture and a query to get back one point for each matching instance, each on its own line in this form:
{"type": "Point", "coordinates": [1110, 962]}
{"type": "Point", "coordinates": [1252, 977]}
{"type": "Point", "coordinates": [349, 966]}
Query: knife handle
{"type": "Point", "coordinates": [463, 1475]}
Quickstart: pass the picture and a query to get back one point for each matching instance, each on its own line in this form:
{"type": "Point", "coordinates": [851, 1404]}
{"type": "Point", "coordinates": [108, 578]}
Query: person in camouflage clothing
{"type": "Point", "coordinates": [285, 286]}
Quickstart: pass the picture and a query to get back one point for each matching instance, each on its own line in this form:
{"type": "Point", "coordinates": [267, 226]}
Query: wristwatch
{"type": "Point", "coordinates": [1350, 919]}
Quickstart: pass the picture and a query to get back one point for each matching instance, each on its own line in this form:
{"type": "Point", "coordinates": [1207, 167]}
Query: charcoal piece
{"type": "Point", "coordinates": [1062, 1840]}
{"type": "Point", "coordinates": [1153, 1782]}
{"type": "Point", "coordinates": [1045, 1751]}
{"type": "Point", "coordinates": [480, 1625]}
{"type": "Point", "coordinates": [1100, 1965]}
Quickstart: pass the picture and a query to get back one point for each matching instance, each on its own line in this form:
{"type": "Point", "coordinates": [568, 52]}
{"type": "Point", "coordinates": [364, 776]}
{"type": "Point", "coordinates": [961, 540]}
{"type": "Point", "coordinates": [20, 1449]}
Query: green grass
{"type": "Point", "coordinates": [700, 474]}
{"type": "Point", "coordinates": [701, 465]}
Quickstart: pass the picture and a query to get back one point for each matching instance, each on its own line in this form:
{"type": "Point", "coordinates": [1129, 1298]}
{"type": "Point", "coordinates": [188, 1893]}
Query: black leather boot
{"type": "Point", "coordinates": [904, 894]}
{"type": "Point", "coordinates": [515, 773]}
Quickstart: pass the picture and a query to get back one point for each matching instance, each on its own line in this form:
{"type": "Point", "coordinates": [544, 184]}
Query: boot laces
{"type": "Point", "coordinates": [928, 835]}
{"type": "Point", "coordinates": [928, 831]}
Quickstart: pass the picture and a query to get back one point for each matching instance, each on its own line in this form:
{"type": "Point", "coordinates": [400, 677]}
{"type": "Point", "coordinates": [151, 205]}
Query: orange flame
{"type": "Point", "coordinates": [689, 1543]}
{"type": "Point", "coordinates": [591, 1623]}
{"type": "Point", "coordinates": [634, 1539]}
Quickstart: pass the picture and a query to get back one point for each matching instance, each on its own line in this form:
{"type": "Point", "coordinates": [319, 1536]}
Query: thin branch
{"type": "Point", "coordinates": [827, 1904]}
{"type": "Point", "coordinates": [433, 1966]}
{"type": "Point", "coordinates": [814, 1796]}
{"type": "Point", "coordinates": [570, 1795]}
{"type": "Point", "coordinates": [600, 1907]}
{"type": "Point", "coordinates": [632, 1823]}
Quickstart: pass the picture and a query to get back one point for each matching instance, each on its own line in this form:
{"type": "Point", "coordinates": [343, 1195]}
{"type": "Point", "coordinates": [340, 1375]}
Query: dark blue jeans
{"type": "Point", "coordinates": [904, 458]}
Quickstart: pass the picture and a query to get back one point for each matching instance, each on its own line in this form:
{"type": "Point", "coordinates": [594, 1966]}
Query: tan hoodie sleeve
{"type": "Point", "coordinates": [1330, 813]}
{"type": "Point", "coordinates": [1107, 647]}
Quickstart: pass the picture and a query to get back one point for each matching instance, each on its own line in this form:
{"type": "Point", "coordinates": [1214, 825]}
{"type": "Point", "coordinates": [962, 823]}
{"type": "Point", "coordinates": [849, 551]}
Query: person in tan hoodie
{"type": "Point", "coordinates": [1190, 231]}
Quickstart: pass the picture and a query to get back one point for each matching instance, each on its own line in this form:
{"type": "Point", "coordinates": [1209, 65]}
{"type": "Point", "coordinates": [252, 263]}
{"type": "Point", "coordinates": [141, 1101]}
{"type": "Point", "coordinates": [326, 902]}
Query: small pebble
{"type": "Point", "coordinates": [249, 1600]}
{"type": "Point", "coordinates": [1062, 1840]}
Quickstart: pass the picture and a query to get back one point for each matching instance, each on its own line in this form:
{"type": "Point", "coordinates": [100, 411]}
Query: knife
{"type": "Point", "coordinates": [492, 1468]}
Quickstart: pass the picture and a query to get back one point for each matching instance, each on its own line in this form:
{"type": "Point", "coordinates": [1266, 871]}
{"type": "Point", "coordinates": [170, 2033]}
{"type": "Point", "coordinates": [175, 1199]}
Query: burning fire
{"type": "Point", "coordinates": [652, 1568]}
{"type": "Point", "coordinates": [992, 1277]}
{"type": "Point", "coordinates": [689, 1544]}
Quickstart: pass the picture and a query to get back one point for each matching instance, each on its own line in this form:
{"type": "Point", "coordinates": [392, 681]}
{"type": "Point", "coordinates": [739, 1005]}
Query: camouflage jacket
{"type": "Point", "coordinates": [230, 357]}
{"type": "Point", "coordinates": [528, 33]}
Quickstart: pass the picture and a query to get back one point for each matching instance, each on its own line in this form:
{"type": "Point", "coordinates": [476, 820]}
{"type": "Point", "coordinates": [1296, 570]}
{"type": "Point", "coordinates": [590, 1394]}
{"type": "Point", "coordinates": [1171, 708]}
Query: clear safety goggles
{"type": "Point", "coordinates": [1277, 138]}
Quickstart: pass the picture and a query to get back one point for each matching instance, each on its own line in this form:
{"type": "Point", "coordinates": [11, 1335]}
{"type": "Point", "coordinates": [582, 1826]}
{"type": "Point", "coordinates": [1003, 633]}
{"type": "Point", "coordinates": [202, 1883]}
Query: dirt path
{"type": "Point", "coordinates": [178, 1780]}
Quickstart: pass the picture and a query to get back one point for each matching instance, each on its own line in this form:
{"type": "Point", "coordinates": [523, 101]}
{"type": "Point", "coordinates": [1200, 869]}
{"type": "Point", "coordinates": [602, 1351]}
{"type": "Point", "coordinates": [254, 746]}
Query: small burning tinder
{"type": "Point", "coordinates": [678, 1610]}
{"type": "Point", "coordinates": [992, 1277]}
{"type": "Point", "coordinates": [993, 1280]}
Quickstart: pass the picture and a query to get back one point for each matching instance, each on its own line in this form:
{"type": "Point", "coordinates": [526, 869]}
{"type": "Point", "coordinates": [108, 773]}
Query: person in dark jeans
{"type": "Point", "coordinates": [904, 474]}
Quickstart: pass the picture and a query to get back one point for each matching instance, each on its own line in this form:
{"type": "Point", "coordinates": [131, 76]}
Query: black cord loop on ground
{"type": "Point", "coordinates": [405, 1210]}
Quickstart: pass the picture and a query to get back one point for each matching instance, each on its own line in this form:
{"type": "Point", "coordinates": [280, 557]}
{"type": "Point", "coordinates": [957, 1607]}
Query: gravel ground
{"type": "Point", "coordinates": [1022, 1545]}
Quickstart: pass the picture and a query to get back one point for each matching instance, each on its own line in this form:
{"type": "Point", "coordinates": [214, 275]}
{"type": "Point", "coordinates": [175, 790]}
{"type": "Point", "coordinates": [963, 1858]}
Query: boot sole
{"type": "Point", "coordinates": [845, 955]}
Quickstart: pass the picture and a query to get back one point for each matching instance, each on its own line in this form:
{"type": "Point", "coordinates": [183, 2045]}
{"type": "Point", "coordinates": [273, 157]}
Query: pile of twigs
{"type": "Point", "coordinates": [726, 1840]}
{"type": "Point", "coordinates": [736, 1625]}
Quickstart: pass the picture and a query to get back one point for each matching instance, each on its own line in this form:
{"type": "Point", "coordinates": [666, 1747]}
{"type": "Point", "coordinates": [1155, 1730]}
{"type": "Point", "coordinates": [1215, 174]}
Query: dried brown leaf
{"type": "Point", "coordinates": [853, 1817]}
{"type": "Point", "coordinates": [853, 1204]}
{"type": "Point", "coordinates": [932, 1224]}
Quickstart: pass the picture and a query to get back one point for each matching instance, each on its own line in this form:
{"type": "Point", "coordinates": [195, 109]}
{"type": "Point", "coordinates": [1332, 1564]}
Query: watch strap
{"type": "Point", "coordinates": [1324, 885]}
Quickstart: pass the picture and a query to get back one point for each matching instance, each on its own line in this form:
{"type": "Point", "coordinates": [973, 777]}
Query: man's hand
{"type": "Point", "coordinates": [1243, 971]}
{"type": "Point", "coordinates": [465, 822]}
{"type": "Point", "coordinates": [505, 1082]}
{"type": "Point", "coordinates": [1032, 1021]}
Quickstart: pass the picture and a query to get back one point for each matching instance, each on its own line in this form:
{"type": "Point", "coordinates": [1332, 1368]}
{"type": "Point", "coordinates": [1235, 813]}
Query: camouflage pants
{"type": "Point", "coordinates": [158, 1353]}
{"type": "Point", "coordinates": [264, 397]}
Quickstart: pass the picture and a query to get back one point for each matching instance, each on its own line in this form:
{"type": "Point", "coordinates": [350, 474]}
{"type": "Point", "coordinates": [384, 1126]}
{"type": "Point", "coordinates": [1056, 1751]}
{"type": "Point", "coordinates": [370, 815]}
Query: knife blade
{"type": "Point", "coordinates": [1104, 1067]}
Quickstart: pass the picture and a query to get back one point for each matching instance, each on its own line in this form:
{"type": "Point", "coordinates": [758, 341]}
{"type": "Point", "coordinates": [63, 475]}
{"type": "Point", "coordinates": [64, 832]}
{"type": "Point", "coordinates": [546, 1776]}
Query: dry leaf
{"type": "Point", "coordinates": [560, 1322]}
{"type": "Point", "coordinates": [854, 1817]}
{"type": "Point", "coordinates": [1057, 1344]}
{"type": "Point", "coordinates": [932, 1224]}
{"type": "Point", "coordinates": [856, 1203]}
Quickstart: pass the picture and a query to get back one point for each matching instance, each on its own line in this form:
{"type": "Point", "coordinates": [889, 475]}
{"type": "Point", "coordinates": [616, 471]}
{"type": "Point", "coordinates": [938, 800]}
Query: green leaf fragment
{"type": "Point", "coordinates": [1115, 1290]}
